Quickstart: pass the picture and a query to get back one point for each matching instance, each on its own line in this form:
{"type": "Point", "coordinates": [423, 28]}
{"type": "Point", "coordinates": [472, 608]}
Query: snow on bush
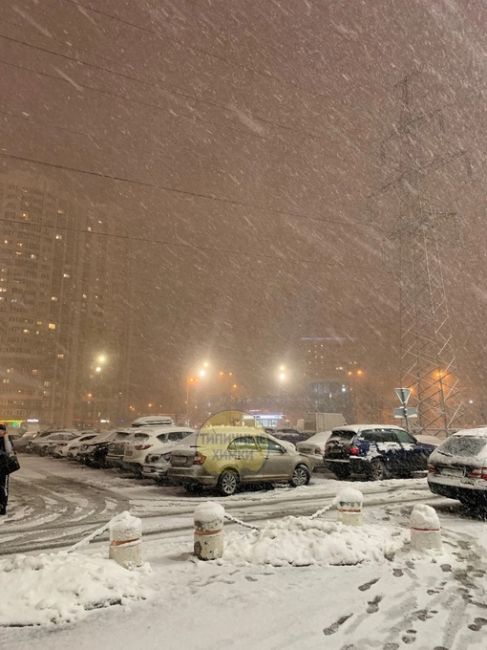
{"type": "Point", "coordinates": [61, 587]}
{"type": "Point", "coordinates": [300, 541]}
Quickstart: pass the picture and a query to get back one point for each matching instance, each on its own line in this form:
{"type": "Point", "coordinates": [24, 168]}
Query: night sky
{"type": "Point", "coordinates": [247, 148]}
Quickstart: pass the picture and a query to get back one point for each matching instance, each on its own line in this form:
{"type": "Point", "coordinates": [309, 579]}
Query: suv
{"type": "Point", "coordinates": [145, 438]}
{"type": "Point", "coordinates": [375, 451]}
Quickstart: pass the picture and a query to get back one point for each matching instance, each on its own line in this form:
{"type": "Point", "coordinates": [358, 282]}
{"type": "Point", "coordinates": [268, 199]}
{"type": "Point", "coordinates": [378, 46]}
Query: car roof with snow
{"type": "Point", "coordinates": [155, 431]}
{"type": "Point", "coordinates": [358, 428]}
{"type": "Point", "coordinates": [479, 432]}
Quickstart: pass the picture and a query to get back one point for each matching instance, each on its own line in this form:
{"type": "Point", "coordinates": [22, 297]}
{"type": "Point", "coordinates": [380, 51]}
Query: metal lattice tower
{"type": "Point", "coordinates": [428, 362]}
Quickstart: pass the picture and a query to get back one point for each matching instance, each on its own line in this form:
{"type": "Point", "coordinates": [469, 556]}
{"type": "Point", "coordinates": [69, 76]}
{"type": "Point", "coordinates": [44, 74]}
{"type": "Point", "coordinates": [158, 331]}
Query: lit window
{"type": "Point", "coordinates": [60, 355]}
{"type": "Point", "coordinates": [52, 326]}
{"type": "Point", "coordinates": [66, 275]}
{"type": "Point", "coordinates": [53, 298]}
{"type": "Point", "coordinates": [59, 236]}
{"type": "Point", "coordinates": [25, 331]}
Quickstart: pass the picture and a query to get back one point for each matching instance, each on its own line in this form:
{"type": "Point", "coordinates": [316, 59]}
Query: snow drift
{"type": "Point", "coordinates": [62, 587]}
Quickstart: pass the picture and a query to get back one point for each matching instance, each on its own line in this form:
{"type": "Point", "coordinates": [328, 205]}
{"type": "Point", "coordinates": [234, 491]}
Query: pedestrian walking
{"type": "Point", "coordinates": [8, 464]}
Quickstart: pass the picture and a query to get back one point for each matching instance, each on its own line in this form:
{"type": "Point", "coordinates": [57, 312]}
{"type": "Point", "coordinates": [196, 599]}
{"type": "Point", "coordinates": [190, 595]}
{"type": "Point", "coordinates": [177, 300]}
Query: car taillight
{"type": "Point", "coordinates": [142, 447]}
{"type": "Point", "coordinates": [354, 451]}
{"type": "Point", "coordinates": [432, 469]}
{"type": "Point", "coordinates": [198, 459]}
{"type": "Point", "coordinates": [480, 472]}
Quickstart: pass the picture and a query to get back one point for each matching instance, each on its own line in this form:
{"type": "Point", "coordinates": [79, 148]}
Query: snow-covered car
{"type": "Point", "coordinates": [158, 460]}
{"type": "Point", "coordinates": [458, 467]}
{"type": "Point", "coordinates": [228, 457]}
{"type": "Point", "coordinates": [375, 451]}
{"type": "Point", "coordinates": [314, 447]}
{"type": "Point", "coordinates": [145, 438]}
{"type": "Point", "coordinates": [116, 447]}
{"type": "Point", "coordinates": [94, 451]}
{"type": "Point", "coordinates": [24, 443]}
{"type": "Point", "coordinates": [153, 421]}
{"type": "Point", "coordinates": [45, 446]}
{"type": "Point", "coordinates": [71, 448]}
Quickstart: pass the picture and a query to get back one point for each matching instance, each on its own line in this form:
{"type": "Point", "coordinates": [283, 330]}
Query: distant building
{"type": "Point", "coordinates": [62, 293]}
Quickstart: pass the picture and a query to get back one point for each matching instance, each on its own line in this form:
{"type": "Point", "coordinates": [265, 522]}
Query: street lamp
{"type": "Point", "coordinates": [282, 374]}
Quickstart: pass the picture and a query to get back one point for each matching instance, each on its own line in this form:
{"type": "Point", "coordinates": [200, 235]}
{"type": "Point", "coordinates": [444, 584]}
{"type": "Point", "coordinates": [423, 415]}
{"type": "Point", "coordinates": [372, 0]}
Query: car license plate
{"type": "Point", "coordinates": [179, 460]}
{"type": "Point", "coordinates": [452, 471]}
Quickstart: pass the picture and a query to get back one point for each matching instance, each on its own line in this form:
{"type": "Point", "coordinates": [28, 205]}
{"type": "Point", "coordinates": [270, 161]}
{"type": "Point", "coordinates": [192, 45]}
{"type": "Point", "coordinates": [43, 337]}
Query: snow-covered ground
{"type": "Point", "coordinates": [295, 583]}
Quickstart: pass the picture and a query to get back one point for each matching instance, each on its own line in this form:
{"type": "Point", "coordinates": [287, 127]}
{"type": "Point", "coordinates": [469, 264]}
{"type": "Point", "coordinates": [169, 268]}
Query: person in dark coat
{"type": "Point", "coordinates": [3, 474]}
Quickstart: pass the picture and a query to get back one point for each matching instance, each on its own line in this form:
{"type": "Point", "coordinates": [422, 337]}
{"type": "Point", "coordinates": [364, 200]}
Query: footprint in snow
{"type": "Point", "coordinates": [397, 573]}
{"type": "Point", "coordinates": [336, 625]}
{"type": "Point", "coordinates": [368, 585]}
{"type": "Point", "coordinates": [478, 624]}
{"type": "Point", "coordinates": [409, 636]}
{"type": "Point", "coordinates": [373, 605]}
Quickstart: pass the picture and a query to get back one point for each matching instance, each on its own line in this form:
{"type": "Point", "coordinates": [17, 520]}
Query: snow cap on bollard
{"type": "Point", "coordinates": [208, 531]}
{"type": "Point", "coordinates": [425, 529]}
{"type": "Point", "coordinates": [125, 538]}
{"type": "Point", "coordinates": [349, 507]}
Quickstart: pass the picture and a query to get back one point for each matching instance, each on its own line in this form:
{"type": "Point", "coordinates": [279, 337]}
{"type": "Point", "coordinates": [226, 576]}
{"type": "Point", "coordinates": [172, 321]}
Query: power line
{"type": "Point", "coordinates": [195, 248]}
{"type": "Point", "coordinates": [167, 88]}
{"type": "Point", "coordinates": [184, 193]}
{"type": "Point", "coordinates": [232, 62]}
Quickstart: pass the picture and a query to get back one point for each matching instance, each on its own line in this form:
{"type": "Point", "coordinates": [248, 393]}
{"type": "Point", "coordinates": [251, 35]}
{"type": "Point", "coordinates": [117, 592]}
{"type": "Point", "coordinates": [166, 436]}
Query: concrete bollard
{"type": "Point", "coordinates": [208, 531]}
{"type": "Point", "coordinates": [125, 540]}
{"type": "Point", "coordinates": [425, 529]}
{"type": "Point", "coordinates": [350, 507]}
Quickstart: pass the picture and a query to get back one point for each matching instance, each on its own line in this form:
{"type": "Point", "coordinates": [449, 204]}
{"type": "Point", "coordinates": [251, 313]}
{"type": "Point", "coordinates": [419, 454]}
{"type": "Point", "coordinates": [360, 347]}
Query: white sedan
{"type": "Point", "coordinates": [314, 447]}
{"type": "Point", "coordinates": [71, 448]}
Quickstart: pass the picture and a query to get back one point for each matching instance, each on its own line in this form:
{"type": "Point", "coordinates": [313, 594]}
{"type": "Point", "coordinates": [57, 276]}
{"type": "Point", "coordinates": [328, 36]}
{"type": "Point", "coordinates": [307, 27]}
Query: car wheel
{"type": "Point", "coordinates": [228, 482]}
{"type": "Point", "coordinates": [301, 476]}
{"type": "Point", "coordinates": [42, 451]}
{"type": "Point", "coordinates": [377, 470]}
{"type": "Point", "coordinates": [341, 473]}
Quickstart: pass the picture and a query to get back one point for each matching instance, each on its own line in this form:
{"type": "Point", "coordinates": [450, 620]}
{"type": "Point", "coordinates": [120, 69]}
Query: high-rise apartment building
{"type": "Point", "coordinates": [64, 331]}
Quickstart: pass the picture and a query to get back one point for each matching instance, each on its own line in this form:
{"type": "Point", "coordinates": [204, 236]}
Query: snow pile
{"type": "Point", "coordinates": [124, 527]}
{"type": "Point", "coordinates": [209, 512]}
{"type": "Point", "coordinates": [424, 518]}
{"type": "Point", "coordinates": [61, 587]}
{"type": "Point", "coordinates": [350, 495]}
{"type": "Point", "coordinates": [302, 541]}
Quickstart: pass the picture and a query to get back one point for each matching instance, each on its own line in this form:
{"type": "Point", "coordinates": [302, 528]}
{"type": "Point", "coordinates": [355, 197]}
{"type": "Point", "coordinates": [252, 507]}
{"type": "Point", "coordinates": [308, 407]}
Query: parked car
{"type": "Point", "coordinates": [45, 445]}
{"type": "Point", "coordinates": [116, 447]}
{"type": "Point", "coordinates": [71, 448]}
{"type": "Point", "coordinates": [145, 438]}
{"type": "Point", "coordinates": [153, 421]}
{"type": "Point", "coordinates": [227, 457]}
{"type": "Point", "coordinates": [458, 467]}
{"type": "Point", "coordinates": [94, 451]}
{"type": "Point", "coordinates": [375, 451]}
{"type": "Point", "coordinates": [158, 460]}
{"type": "Point", "coordinates": [314, 447]}
{"type": "Point", "coordinates": [24, 443]}
{"type": "Point", "coordinates": [290, 435]}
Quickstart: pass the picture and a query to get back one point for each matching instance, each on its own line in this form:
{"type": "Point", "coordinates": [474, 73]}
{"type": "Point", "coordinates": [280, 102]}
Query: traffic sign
{"type": "Point", "coordinates": [403, 395]}
{"type": "Point", "coordinates": [406, 412]}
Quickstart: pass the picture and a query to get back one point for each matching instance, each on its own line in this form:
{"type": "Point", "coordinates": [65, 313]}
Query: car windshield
{"type": "Point", "coordinates": [464, 445]}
